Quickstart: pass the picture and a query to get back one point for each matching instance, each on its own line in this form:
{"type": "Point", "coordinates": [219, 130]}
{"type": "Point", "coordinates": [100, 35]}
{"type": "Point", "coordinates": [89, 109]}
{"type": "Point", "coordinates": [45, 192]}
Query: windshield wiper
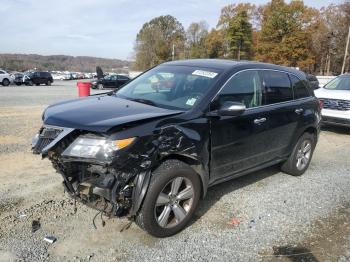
{"type": "Point", "coordinates": [144, 101]}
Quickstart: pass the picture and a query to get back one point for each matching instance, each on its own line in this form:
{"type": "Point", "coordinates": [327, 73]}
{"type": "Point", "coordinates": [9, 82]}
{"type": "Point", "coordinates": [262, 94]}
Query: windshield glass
{"type": "Point", "coordinates": [172, 87]}
{"type": "Point", "coordinates": [339, 83]}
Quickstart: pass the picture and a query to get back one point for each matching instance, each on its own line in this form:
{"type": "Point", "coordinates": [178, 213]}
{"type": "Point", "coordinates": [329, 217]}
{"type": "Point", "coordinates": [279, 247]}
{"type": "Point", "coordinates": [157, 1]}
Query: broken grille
{"type": "Point", "coordinates": [46, 136]}
{"type": "Point", "coordinates": [336, 104]}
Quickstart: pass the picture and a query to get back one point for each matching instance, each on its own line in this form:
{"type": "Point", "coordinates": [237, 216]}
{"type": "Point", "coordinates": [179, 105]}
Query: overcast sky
{"type": "Point", "coordinates": [101, 28]}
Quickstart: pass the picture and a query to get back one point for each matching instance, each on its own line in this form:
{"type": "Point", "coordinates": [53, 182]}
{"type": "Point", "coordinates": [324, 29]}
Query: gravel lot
{"type": "Point", "coordinates": [279, 216]}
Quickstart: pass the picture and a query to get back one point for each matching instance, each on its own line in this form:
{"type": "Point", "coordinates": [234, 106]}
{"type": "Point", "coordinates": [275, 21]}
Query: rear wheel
{"type": "Point", "coordinates": [171, 199]}
{"type": "Point", "coordinates": [5, 82]}
{"type": "Point", "coordinates": [18, 84]}
{"type": "Point", "coordinates": [30, 83]}
{"type": "Point", "coordinates": [100, 86]}
{"type": "Point", "coordinates": [48, 83]}
{"type": "Point", "coordinates": [300, 159]}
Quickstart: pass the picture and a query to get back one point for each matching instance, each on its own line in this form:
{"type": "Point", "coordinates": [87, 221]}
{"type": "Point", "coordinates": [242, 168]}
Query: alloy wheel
{"type": "Point", "coordinates": [303, 154]}
{"type": "Point", "coordinates": [174, 202]}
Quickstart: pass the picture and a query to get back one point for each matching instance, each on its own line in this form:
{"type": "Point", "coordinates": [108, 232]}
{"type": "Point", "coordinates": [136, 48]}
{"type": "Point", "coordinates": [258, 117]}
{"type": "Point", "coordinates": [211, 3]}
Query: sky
{"type": "Point", "coordinates": [100, 28]}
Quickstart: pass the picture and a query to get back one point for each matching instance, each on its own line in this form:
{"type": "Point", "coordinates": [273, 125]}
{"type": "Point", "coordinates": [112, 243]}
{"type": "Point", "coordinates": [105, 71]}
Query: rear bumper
{"type": "Point", "coordinates": [336, 121]}
{"type": "Point", "coordinates": [336, 117]}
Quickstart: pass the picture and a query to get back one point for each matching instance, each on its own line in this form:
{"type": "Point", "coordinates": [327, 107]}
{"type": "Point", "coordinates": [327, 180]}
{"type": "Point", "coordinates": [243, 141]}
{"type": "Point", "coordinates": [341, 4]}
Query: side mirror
{"type": "Point", "coordinates": [231, 109]}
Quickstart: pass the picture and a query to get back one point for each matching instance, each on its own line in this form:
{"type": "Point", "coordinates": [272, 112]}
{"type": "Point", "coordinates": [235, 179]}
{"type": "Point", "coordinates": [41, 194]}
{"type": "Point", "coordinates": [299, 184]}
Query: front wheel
{"type": "Point", "coordinates": [300, 159]}
{"type": "Point", "coordinates": [48, 83]}
{"type": "Point", "coordinates": [30, 83]}
{"type": "Point", "coordinates": [171, 199]}
{"type": "Point", "coordinates": [5, 82]}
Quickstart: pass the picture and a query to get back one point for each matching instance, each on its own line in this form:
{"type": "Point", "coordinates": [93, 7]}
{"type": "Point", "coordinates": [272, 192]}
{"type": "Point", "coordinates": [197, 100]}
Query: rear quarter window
{"type": "Point", "coordinates": [277, 87]}
{"type": "Point", "coordinates": [299, 87]}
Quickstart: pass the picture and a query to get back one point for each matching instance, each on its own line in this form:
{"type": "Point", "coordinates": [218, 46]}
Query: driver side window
{"type": "Point", "coordinates": [245, 87]}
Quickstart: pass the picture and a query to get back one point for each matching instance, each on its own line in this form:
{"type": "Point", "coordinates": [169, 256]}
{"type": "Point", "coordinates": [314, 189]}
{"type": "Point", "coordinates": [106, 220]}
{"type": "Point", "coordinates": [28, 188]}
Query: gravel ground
{"type": "Point", "coordinates": [279, 216]}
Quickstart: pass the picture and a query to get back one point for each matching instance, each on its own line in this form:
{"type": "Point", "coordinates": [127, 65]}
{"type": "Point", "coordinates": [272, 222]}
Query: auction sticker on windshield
{"type": "Point", "coordinates": [205, 73]}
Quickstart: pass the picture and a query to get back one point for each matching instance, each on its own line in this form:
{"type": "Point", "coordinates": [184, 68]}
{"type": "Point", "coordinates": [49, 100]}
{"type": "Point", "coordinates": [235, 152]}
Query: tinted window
{"type": "Point", "coordinates": [299, 87]}
{"type": "Point", "coordinates": [277, 87]}
{"type": "Point", "coordinates": [245, 87]}
{"type": "Point", "coordinates": [2, 72]}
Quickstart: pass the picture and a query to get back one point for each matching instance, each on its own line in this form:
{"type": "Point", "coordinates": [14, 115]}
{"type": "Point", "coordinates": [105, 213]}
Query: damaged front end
{"type": "Point", "coordinates": [112, 174]}
{"type": "Point", "coordinates": [93, 172]}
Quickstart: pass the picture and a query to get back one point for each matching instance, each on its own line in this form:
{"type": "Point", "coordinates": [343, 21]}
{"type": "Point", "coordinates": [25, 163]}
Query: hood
{"type": "Point", "coordinates": [332, 94]}
{"type": "Point", "coordinates": [100, 113]}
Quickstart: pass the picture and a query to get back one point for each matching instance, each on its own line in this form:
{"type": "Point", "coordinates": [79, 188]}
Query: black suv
{"type": "Point", "coordinates": [150, 150]}
{"type": "Point", "coordinates": [110, 81]}
{"type": "Point", "coordinates": [37, 78]}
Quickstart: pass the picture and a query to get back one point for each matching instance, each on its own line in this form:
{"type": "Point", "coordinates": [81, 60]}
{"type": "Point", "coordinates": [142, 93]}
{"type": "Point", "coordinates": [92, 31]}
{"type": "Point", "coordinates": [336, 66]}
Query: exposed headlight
{"type": "Point", "coordinates": [100, 149]}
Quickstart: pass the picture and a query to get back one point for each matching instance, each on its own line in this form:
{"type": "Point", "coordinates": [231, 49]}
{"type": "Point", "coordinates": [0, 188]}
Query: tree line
{"type": "Point", "coordinates": [21, 62]}
{"type": "Point", "coordinates": [290, 34]}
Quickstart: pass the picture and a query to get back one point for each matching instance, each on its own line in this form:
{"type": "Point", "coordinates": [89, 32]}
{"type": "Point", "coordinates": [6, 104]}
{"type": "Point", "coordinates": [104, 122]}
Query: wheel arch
{"type": "Point", "coordinates": [142, 180]}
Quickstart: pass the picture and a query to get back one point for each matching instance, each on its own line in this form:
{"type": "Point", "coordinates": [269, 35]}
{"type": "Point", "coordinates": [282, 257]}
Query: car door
{"type": "Point", "coordinates": [122, 80]}
{"type": "Point", "coordinates": [237, 142]}
{"type": "Point", "coordinates": [282, 113]}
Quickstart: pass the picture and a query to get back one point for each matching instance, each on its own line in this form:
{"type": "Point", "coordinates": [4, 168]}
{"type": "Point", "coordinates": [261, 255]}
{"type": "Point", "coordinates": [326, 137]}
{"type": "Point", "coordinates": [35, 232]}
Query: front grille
{"type": "Point", "coordinates": [46, 136]}
{"type": "Point", "coordinates": [336, 104]}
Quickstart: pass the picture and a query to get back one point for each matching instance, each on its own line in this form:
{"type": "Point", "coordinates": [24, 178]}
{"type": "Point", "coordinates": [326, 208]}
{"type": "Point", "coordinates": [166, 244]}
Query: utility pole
{"type": "Point", "coordinates": [346, 52]}
{"type": "Point", "coordinates": [173, 52]}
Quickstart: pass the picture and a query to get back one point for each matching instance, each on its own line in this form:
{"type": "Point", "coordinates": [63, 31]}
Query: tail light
{"type": "Point", "coordinates": [321, 103]}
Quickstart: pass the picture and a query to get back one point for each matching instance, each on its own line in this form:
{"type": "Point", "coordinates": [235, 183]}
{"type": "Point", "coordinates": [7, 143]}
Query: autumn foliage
{"type": "Point", "coordinates": [279, 32]}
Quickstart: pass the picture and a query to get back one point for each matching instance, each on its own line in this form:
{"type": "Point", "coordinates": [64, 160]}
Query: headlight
{"type": "Point", "coordinates": [97, 148]}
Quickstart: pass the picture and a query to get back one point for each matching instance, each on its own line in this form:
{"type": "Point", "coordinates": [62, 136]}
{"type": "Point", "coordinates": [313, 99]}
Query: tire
{"type": "Point", "coordinates": [37, 84]}
{"type": "Point", "coordinates": [5, 82]}
{"type": "Point", "coordinates": [18, 84]}
{"type": "Point", "coordinates": [100, 86]}
{"type": "Point", "coordinates": [163, 179]}
{"type": "Point", "coordinates": [30, 83]}
{"type": "Point", "coordinates": [48, 83]}
{"type": "Point", "coordinates": [294, 165]}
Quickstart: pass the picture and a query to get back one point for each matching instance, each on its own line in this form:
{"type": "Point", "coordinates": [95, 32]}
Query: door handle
{"type": "Point", "coordinates": [259, 120]}
{"type": "Point", "coordinates": [299, 110]}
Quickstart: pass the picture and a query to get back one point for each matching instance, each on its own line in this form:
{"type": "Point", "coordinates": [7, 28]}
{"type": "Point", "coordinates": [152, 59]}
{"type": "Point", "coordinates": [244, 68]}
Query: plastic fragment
{"type": "Point", "coordinates": [50, 239]}
{"type": "Point", "coordinates": [35, 225]}
{"type": "Point", "coordinates": [234, 222]}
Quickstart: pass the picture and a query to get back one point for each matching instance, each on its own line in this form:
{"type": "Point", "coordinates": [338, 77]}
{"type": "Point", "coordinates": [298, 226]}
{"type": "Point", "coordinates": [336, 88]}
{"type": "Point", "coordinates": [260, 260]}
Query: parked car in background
{"type": "Point", "coordinates": [335, 97]}
{"type": "Point", "coordinates": [150, 150]}
{"type": "Point", "coordinates": [313, 81]}
{"type": "Point", "coordinates": [5, 78]}
{"type": "Point", "coordinates": [110, 81]}
{"type": "Point", "coordinates": [19, 78]}
{"type": "Point", "coordinates": [38, 78]}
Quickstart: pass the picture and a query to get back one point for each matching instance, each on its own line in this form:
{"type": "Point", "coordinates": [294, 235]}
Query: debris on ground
{"type": "Point", "coordinates": [35, 225]}
{"type": "Point", "coordinates": [20, 216]}
{"type": "Point", "coordinates": [234, 222]}
{"type": "Point", "coordinates": [50, 239]}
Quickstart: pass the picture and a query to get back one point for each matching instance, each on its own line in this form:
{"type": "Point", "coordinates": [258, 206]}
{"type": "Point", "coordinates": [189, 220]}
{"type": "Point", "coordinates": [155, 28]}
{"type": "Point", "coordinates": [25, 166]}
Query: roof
{"type": "Point", "coordinates": [225, 64]}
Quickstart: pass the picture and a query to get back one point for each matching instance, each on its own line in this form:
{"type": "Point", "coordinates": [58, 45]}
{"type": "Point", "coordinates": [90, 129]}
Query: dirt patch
{"type": "Point", "coordinates": [327, 241]}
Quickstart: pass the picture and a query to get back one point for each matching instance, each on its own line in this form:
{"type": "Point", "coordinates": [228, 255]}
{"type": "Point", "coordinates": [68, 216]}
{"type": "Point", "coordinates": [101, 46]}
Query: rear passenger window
{"type": "Point", "coordinates": [245, 87]}
{"type": "Point", "coordinates": [299, 87]}
{"type": "Point", "coordinates": [277, 87]}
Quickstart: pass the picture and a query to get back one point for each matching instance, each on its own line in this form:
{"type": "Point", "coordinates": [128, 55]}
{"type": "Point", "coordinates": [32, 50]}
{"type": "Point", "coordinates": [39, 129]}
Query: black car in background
{"type": "Point", "coordinates": [110, 81]}
{"type": "Point", "coordinates": [150, 150]}
{"type": "Point", "coordinates": [34, 78]}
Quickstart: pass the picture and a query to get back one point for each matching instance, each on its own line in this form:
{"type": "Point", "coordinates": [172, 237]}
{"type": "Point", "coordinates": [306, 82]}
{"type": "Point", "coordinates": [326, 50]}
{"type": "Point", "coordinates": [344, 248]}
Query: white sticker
{"type": "Point", "coordinates": [191, 101]}
{"type": "Point", "coordinates": [205, 73]}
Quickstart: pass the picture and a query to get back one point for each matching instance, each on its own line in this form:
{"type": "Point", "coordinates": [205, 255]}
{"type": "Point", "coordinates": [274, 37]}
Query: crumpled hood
{"type": "Point", "coordinates": [100, 113]}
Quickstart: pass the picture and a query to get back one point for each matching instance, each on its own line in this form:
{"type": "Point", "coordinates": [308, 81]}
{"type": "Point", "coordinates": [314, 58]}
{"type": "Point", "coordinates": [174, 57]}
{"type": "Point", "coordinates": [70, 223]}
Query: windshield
{"type": "Point", "coordinates": [172, 87]}
{"type": "Point", "coordinates": [339, 83]}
